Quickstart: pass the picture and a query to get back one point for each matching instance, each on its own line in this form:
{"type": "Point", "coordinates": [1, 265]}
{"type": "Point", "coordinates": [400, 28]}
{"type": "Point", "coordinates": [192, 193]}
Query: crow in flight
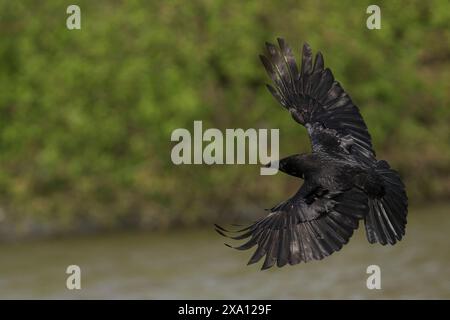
{"type": "Point", "coordinates": [343, 181]}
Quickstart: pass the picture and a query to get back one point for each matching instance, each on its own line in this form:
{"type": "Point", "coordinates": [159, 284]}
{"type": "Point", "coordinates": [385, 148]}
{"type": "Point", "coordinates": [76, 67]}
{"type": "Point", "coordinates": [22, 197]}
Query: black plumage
{"type": "Point", "coordinates": [343, 181]}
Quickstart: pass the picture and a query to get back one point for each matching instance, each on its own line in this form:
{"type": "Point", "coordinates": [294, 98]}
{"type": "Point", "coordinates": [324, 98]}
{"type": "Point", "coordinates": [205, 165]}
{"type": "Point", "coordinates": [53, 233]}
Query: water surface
{"type": "Point", "coordinates": [195, 264]}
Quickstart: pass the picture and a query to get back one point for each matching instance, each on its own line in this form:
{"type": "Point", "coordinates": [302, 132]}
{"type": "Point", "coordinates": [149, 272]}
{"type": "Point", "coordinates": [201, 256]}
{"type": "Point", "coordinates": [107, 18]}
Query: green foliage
{"type": "Point", "coordinates": [86, 115]}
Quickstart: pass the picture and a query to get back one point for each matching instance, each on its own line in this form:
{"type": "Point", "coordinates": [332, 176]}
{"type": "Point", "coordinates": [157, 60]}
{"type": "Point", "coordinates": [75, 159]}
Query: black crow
{"type": "Point", "coordinates": [343, 181]}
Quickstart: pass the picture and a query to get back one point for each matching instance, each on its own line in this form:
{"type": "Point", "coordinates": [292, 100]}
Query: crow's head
{"type": "Point", "coordinates": [290, 165]}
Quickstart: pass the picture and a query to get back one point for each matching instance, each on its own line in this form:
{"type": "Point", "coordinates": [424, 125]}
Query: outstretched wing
{"type": "Point", "coordinates": [310, 226]}
{"type": "Point", "coordinates": [317, 101]}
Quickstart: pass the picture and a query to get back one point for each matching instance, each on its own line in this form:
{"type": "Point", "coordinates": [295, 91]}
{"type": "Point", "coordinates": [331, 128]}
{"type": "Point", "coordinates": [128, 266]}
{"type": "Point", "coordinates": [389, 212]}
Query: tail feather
{"type": "Point", "coordinates": [386, 221]}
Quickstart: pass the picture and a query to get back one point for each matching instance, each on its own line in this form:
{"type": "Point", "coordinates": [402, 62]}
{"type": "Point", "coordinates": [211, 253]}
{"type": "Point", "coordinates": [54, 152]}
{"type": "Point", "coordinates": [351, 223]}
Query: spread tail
{"type": "Point", "coordinates": [386, 221]}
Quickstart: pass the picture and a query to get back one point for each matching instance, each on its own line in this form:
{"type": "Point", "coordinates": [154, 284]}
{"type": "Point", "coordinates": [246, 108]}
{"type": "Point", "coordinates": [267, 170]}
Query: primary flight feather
{"type": "Point", "coordinates": [343, 181]}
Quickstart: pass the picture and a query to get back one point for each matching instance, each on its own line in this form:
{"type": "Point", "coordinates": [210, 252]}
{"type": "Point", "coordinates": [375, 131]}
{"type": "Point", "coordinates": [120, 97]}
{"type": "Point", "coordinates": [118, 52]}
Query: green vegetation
{"type": "Point", "coordinates": [86, 115]}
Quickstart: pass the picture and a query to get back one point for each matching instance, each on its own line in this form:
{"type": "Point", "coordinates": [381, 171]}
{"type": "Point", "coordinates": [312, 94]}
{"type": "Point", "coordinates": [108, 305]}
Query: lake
{"type": "Point", "coordinates": [194, 264]}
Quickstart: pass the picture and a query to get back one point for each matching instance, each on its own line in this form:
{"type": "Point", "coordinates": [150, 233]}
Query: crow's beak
{"type": "Point", "coordinates": [273, 164]}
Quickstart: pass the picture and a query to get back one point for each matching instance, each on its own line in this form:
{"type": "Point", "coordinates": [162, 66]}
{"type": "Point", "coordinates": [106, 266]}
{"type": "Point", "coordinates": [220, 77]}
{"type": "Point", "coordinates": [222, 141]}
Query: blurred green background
{"type": "Point", "coordinates": [86, 115]}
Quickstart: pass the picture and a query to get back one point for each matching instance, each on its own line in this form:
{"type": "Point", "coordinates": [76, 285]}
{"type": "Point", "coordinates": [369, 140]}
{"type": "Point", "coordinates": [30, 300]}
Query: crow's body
{"type": "Point", "coordinates": [343, 181]}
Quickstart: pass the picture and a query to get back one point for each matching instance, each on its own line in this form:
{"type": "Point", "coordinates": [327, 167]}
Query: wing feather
{"type": "Point", "coordinates": [316, 100]}
{"type": "Point", "coordinates": [295, 231]}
